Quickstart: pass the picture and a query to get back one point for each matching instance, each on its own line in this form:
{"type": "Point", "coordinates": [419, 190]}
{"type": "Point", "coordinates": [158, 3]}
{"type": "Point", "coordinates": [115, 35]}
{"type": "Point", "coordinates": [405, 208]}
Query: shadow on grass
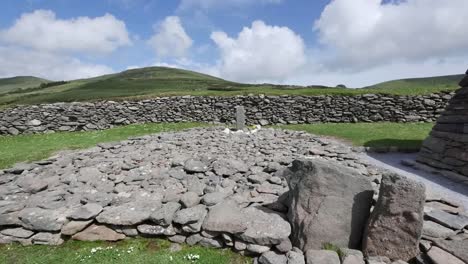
{"type": "Point", "coordinates": [403, 145]}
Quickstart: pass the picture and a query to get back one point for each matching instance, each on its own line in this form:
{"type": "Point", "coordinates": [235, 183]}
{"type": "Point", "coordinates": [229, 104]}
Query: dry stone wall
{"type": "Point", "coordinates": [447, 146]}
{"type": "Point", "coordinates": [262, 110]}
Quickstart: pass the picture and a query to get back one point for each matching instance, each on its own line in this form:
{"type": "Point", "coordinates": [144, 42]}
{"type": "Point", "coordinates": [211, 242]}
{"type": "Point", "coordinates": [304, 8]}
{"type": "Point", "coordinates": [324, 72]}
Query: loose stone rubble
{"type": "Point", "coordinates": [201, 186]}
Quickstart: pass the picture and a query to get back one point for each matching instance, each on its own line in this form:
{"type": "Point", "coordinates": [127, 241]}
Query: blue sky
{"type": "Point", "coordinates": [357, 42]}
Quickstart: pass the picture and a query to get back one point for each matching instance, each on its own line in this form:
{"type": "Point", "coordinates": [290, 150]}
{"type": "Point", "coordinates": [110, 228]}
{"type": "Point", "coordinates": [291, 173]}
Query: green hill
{"type": "Point", "coordinates": [161, 81]}
{"type": "Point", "coordinates": [20, 82]}
{"type": "Point", "coordinates": [428, 83]}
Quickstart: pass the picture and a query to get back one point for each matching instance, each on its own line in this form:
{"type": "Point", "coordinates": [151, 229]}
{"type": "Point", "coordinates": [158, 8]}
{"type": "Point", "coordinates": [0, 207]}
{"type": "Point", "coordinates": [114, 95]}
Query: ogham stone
{"type": "Point", "coordinates": [240, 118]}
{"type": "Point", "coordinates": [396, 223]}
{"type": "Point", "coordinates": [328, 203]}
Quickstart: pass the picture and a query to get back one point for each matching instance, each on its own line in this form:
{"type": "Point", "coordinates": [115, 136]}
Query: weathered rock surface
{"type": "Point", "coordinates": [98, 233]}
{"type": "Point", "coordinates": [439, 256]}
{"type": "Point", "coordinates": [396, 223]}
{"type": "Point", "coordinates": [225, 217]}
{"type": "Point", "coordinates": [322, 257]}
{"type": "Point", "coordinates": [329, 203]}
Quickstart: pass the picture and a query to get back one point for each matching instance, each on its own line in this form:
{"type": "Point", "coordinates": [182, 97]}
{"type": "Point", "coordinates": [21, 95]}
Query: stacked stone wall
{"type": "Point", "coordinates": [264, 110]}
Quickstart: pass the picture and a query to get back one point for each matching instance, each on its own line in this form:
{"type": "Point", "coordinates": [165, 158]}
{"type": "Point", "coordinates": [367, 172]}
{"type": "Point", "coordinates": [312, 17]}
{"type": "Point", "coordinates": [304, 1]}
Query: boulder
{"type": "Point", "coordinates": [98, 233]}
{"type": "Point", "coordinates": [194, 166]}
{"type": "Point", "coordinates": [396, 223]}
{"type": "Point", "coordinates": [51, 239]}
{"type": "Point", "coordinates": [127, 214]}
{"type": "Point", "coordinates": [328, 203]}
{"type": "Point", "coordinates": [74, 227]}
{"type": "Point", "coordinates": [17, 232]}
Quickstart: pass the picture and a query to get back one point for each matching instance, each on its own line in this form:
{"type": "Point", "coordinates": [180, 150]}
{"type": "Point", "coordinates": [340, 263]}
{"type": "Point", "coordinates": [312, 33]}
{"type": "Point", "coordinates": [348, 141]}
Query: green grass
{"type": "Point", "coordinates": [134, 251]}
{"type": "Point", "coordinates": [160, 81]}
{"type": "Point", "coordinates": [14, 149]}
{"type": "Point", "coordinates": [407, 136]}
{"type": "Point", "coordinates": [19, 82]}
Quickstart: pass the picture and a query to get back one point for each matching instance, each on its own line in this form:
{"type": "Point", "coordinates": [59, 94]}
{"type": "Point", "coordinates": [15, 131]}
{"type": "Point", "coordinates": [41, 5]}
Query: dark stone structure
{"type": "Point", "coordinates": [263, 110]}
{"type": "Point", "coordinates": [447, 146]}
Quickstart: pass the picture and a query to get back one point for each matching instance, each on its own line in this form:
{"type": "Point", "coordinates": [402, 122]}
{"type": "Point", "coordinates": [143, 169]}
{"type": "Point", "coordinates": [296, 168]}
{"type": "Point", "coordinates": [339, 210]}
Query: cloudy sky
{"type": "Point", "coordinates": [354, 42]}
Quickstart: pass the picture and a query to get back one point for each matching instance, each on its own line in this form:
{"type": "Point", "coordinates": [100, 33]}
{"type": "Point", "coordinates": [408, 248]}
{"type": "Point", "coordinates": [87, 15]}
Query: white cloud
{"type": "Point", "coordinates": [260, 53]}
{"type": "Point", "coordinates": [19, 61]}
{"type": "Point", "coordinates": [366, 33]}
{"type": "Point", "coordinates": [170, 39]}
{"type": "Point", "coordinates": [213, 4]}
{"type": "Point", "coordinates": [42, 30]}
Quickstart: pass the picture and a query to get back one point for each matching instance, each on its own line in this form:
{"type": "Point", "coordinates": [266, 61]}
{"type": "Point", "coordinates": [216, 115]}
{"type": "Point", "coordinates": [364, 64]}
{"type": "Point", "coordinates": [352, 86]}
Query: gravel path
{"type": "Point", "coordinates": [436, 185]}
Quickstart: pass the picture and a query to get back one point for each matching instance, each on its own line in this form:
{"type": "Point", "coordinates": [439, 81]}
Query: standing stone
{"type": "Point", "coordinates": [395, 225]}
{"type": "Point", "coordinates": [328, 203]}
{"type": "Point", "coordinates": [240, 118]}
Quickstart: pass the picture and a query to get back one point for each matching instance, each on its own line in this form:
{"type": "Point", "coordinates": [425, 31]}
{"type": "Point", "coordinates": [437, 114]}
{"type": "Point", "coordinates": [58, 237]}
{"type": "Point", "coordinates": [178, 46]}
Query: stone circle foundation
{"type": "Point", "coordinates": [217, 188]}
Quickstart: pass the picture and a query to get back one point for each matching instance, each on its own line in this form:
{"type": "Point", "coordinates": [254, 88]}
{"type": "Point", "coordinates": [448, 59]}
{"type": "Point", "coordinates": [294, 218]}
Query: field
{"type": "Point", "coordinates": [24, 148]}
{"type": "Point", "coordinates": [160, 81]}
{"type": "Point", "coordinates": [128, 251]}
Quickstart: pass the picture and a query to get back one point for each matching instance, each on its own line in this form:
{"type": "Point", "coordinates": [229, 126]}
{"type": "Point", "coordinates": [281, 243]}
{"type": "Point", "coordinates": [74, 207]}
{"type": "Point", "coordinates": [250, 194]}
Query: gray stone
{"type": "Point", "coordinates": [352, 256]}
{"type": "Point", "coordinates": [240, 118]}
{"type": "Point", "coordinates": [17, 232]}
{"type": "Point", "coordinates": [98, 233]}
{"type": "Point", "coordinates": [165, 214]}
{"type": "Point", "coordinates": [439, 256]}
{"type": "Point", "coordinates": [189, 199]}
{"type": "Point", "coordinates": [193, 166]}
{"type": "Point", "coordinates": [328, 203]}
{"type": "Point", "coordinates": [127, 214]}
{"type": "Point", "coordinates": [271, 257]}
{"type": "Point", "coordinates": [193, 239]}
{"type": "Point", "coordinates": [32, 185]}
{"type": "Point", "coordinates": [50, 239]}
{"type": "Point", "coordinates": [40, 219]}
{"type": "Point", "coordinates": [229, 167]}
{"type": "Point", "coordinates": [190, 215]}
{"type": "Point", "coordinates": [396, 223]}
{"type": "Point", "coordinates": [74, 227]}
{"type": "Point", "coordinates": [257, 249]}
{"type": "Point", "coordinates": [455, 247]}
{"type": "Point", "coordinates": [322, 257]}
{"type": "Point", "coordinates": [156, 230]}
{"type": "Point", "coordinates": [284, 246]}
{"type": "Point", "coordinates": [456, 222]}
{"type": "Point", "coordinates": [211, 199]}
{"type": "Point", "coordinates": [434, 230]}
{"type": "Point", "coordinates": [264, 226]}
{"type": "Point", "coordinates": [225, 217]}
{"type": "Point", "coordinates": [211, 243]}
{"type": "Point", "coordinates": [295, 257]}
{"type": "Point", "coordinates": [177, 239]}
{"type": "Point", "coordinates": [86, 212]}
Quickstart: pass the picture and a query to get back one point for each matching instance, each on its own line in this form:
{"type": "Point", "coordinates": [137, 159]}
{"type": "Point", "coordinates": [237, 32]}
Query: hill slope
{"type": "Point", "coordinates": [20, 82]}
{"type": "Point", "coordinates": [162, 81]}
{"type": "Point", "coordinates": [448, 81]}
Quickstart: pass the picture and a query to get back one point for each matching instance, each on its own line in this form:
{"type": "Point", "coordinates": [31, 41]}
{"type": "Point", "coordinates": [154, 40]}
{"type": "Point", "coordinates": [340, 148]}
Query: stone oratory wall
{"type": "Point", "coordinates": [447, 146]}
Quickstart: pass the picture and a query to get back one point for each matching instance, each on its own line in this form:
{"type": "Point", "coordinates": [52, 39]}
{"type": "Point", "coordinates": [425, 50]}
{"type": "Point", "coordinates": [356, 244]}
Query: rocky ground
{"type": "Point", "coordinates": [202, 186]}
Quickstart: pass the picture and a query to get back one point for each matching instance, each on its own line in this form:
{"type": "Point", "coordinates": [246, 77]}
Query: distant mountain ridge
{"type": "Point", "coordinates": [20, 82]}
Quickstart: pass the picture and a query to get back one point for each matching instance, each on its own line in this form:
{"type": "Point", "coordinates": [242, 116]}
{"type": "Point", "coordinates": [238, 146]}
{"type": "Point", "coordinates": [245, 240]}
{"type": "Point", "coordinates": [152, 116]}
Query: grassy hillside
{"type": "Point", "coordinates": [162, 81]}
{"type": "Point", "coordinates": [19, 82]}
{"type": "Point", "coordinates": [429, 83]}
